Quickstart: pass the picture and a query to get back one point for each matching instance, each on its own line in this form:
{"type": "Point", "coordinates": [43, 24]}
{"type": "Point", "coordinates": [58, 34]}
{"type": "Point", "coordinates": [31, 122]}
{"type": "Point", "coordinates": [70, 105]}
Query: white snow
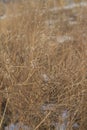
{"type": "Point", "coordinates": [62, 39]}
{"type": "Point", "coordinates": [48, 107]}
{"type": "Point", "coordinates": [45, 77]}
{"type": "Point", "coordinates": [17, 126]}
{"type": "Point", "coordinates": [75, 125]}
{"type": "Point", "coordinates": [66, 7]}
{"type": "Point", "coordinates": [69, 6]}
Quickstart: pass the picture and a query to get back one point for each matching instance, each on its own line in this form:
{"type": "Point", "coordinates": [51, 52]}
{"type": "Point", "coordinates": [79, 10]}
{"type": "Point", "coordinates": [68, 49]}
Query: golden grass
{"type": "Point", "coordinates": [35, 69]}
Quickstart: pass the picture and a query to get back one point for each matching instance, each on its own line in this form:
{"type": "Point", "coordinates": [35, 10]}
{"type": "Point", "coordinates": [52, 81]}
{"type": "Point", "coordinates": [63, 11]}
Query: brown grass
{"type": "Point", "coordinates": [35, 69]}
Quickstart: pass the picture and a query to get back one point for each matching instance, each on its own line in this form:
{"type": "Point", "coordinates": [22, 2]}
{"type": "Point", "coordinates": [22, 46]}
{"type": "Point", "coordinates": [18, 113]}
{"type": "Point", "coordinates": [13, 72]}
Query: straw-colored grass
{"type": "Point", "coordinates": [35, 69]}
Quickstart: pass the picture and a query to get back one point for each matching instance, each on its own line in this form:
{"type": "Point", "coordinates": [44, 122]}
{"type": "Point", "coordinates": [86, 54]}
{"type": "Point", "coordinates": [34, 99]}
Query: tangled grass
{"type": "Point", "coordinates": [35, 69]}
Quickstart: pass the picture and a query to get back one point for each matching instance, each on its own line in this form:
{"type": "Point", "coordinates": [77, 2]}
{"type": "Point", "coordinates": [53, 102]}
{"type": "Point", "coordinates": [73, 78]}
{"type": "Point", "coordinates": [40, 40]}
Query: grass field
{"type": "Point", "coordinates": [43, 65]}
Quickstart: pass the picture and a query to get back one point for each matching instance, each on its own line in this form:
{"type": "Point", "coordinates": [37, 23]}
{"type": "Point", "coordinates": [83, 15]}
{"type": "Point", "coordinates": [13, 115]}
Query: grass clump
{"type": "Point", "coordinates": [37, 70]}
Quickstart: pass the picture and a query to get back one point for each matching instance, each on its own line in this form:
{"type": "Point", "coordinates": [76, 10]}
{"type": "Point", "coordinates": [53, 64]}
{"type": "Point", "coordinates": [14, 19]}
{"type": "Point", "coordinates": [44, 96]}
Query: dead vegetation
{"type": "Point", "coordinates": [36, 70]}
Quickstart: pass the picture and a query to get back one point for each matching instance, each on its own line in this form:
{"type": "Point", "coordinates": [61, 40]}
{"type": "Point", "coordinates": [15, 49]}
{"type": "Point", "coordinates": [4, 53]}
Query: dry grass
{"type": "Point", "coordinates": [35, 69]}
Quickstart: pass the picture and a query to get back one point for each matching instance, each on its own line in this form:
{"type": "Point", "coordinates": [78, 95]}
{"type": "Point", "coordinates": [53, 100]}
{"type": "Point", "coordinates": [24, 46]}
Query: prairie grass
{"type": "Point", "coordinates": [35, 69]}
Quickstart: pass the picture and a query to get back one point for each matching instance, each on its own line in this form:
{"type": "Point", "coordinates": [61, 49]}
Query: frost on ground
{"type": "Point", "coordinates": [69, 6]}
{"type": "Point", "coordinates": [18, 126]}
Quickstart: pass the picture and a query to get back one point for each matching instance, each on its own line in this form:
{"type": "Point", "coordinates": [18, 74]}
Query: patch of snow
{"type": "Point", "coordinates": [73, 22]}
{"type": "Point", "coordinates": [48, 107]}
{"type": "Point", "coordinates": [59, 126]}
{"type": "Point", "coordinates": [63, 125]}
{"type": "Point", "coordinates": [65, 114]}
{"type": "Point", "coordinates": [45, 77]}
{"type": "Point", "coordinates": [17, 126]}
{"type": "Point", "coordinates": [13, 15]}
{"type": "Point", "coordinates": [75, 125]}
{"type": "Point", "coordinates": [62, 39]}
{"type": "Point", "coordinates": [69, 6]}
{"type": "Point", "coordinates": [10, 127]}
